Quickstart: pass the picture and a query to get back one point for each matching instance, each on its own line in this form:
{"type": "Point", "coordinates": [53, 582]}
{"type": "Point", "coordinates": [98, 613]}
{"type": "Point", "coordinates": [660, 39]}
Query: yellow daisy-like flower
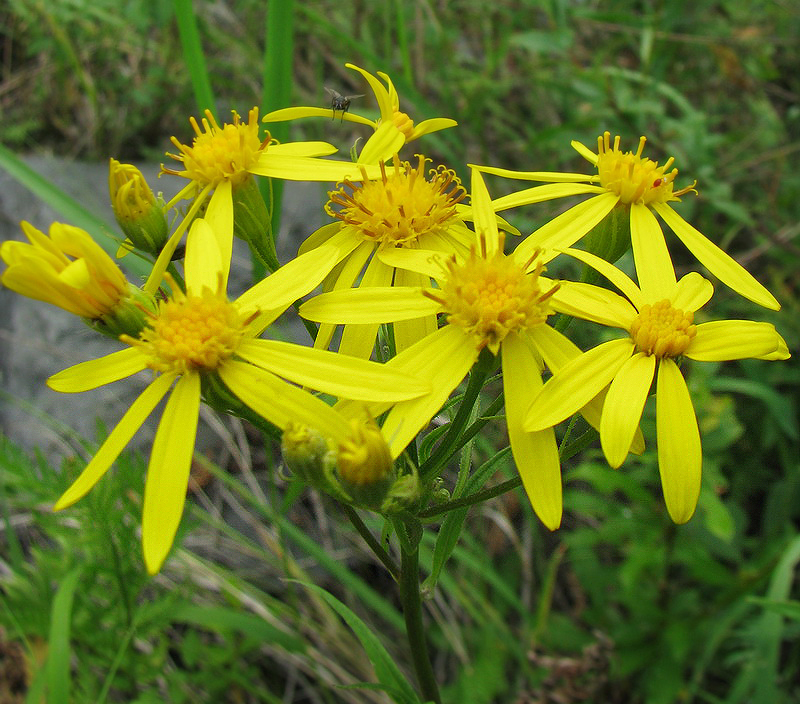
{"type": "Point", "coordinates": [491, 301]}
{"type": "Point", "coordinates": [200, 336]}
{"type": "Point", "coordinates": [388, 103]}
{"type": "Point", "coordinates": [409, 207]}
{"type": "Point", "coordinates": [68, 269]}
{"type": "Point", "coordinates": [659, 320]}
{"type": "Point", "coordinates": [223, 158]}
{"type": "Point", "coordinates": [631, 181]}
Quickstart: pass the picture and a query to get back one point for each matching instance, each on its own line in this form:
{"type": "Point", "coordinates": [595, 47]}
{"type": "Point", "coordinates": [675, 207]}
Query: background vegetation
{"type": "Point", "coordinates": [617, 606]}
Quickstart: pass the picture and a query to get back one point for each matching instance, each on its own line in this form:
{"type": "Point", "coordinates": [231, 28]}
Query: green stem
{"type": "Point", "coordinates": [452, 440]}
{"type": "Point", "coordinates": [415, 629]}
{"type": "Point", "coordinates": [370, 540]}
{"type": "Point", "coordinates": [472, 499]}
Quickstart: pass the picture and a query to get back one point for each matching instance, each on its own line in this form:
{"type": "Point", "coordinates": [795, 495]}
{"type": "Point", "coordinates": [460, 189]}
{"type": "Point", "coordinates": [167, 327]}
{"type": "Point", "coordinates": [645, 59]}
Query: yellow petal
{"type": "Point", "coordinates": [443, 359]}
{"type": "Point", "coordinates": [629, 289]}
{"type": "Point", "coordinates": [281, 403]}
{"type": "Point", "coordinates": [623, 406]}
{"type": "Point", "coordinates": [720, 264]}
{"type": "Point", "coordinates": [577, 383]}
{"type": "Point", "coordinates": [130, 422]}
{"type": "Point", "coordinates": [585, 152]}
{"type": "Point", "coordinates": [535, 454]}
{"type": "Point", "coordinates": [361, 305]}
{"type": "Point", "coordinates": [692, 292]}
{"type": "Point", "coordinates": [381, 94]}
{"type": "Point", "coordinates": [591, 302]}
{"type": "Point", "coordinates": [319, 237]}
{"type": "Point", "coordinates": [679, 453]}
{"type": "Point", "coordinates": [97, 372]}
{"type": "Point", "coordinates": [723, 340]}
{"type": "Point", "coordinates": [202, 264]}
{"type": "Point", "coordinates": [168, 471]}
{"type": "Point", "coordinates": [567, 228]}
{"type": "Point", "coordinates": [219, 216]}
{"type": "Point", "coordinates": [482, 213]}
{"type": "Point", "coordinates": [300, 112]}
{"type": "Point", "coordinates": [422, 261]}
{"type": "Point", "coordinates": [433, 125]}
{"type": "Point", "coordinates": [653, 264]}
{"type": "Point", "coordinates": [332, 373]}
{"type": "Point", "coordinates": [539, 194]}
{"type": "Point", "coordinates": [358, 340]}
{"type": "Point", "coordinates": [305, 148]}
{"type": "Point", "coordinates": [547, 176]}
{"type": "Point", "coordinates": [292, 281]}
{"type": "Point", "coordinates": [407, 332]}
{"type": "Point", "coordinates": [303, 168]}
{"type": "Point", "coordinates": [382, 145]}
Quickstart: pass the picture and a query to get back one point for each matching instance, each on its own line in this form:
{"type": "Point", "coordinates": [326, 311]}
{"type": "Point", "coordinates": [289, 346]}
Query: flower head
{"type": "Point", "coordinates": [388, 103]}
{"type": "Point", "coordinates": [490, 301]}
{"type": "Point", "coordinates": [659, 321]}
{"type": "Point", "coordinates": [411, 207]}
{"type": "Point", "coordinates": [135, 207]}
{"type": "Point", "coordinates": [70, 270]}
{"type": "Point", "coordinates": [636, 186]}
{"type": "Point", "coordinates": [199, 339]}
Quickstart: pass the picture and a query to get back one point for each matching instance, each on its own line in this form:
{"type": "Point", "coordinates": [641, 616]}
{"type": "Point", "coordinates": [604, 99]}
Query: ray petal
{"type": "Point", "coordinates": [679, 452]}
{"type": "Point", "coordinates": [98, 372]}
{"type": "Point", "coordinates": [653, 264]}
{"type": "Point", "coordinates": [723, 340]}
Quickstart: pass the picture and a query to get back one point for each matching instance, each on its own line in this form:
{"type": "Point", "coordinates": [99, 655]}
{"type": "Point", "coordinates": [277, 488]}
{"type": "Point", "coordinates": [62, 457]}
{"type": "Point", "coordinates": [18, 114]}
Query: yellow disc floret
{"type": "Point", "coordinates": [220, 153]}
{"type": "Point", "coordinates": [191, 333]}
{"type": "Point", "coordinates": [403, 123]}
{"type": "Point", "coordinates": [662, 330]}
{"type": "Point", "coordinates": [400, 207]}
{"type": "Point", "coordinates": [490, 297]}
{"type": "Point", "coordinates": [633, 178]}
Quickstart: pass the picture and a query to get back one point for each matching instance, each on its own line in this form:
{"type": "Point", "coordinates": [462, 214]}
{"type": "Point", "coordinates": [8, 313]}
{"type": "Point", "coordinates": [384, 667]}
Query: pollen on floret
{"type": "Point", "coordinates": [191, 333]}
{"type": "Point", "coordinates": [662, 330]}
{"type": "Point", "coordinates": [634, 178]}
{"type": "Point", "coordinates": [490, 297]}
{"type": "Point", "coordinates": [401, 206]}
{"type": "Point", "coordinates": [220, 153]}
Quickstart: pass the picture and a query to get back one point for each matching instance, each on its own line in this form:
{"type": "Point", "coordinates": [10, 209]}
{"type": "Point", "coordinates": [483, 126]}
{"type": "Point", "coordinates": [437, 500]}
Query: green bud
{"type": "Point", "coordinates": [252, 223]}
{"type": "Point", "coordinates": [136, 209]}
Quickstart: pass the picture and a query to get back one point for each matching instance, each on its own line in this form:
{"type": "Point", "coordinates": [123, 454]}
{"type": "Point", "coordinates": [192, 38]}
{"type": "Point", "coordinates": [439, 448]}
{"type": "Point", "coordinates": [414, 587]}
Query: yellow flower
{"type": "Point", "coordinates": [223, 158]}
{"type": "Point", "coordinates": [406, 208]}
{"type": "Point", "coordinates": [70, 270]}
{"type": "Point", "coordinates": [135, 207]}
{"type": "Point", "coordinates": [659, 320]}
{"type": "Point", "coordinates": [490, 300]}
{"type": "Point", "coordinates": [626, 180]}
{"type": "Point", "coordinates": [388, 104]}
{"type": "Point", "coordinates": [199, 338]}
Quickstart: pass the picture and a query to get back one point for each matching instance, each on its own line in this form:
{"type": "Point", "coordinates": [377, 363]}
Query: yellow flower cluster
{"type": "Point", "coordinates": [407, 263]}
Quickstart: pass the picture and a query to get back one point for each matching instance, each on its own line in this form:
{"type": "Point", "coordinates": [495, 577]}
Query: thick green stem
{"type": "Point", "coordinates": [415, 629]}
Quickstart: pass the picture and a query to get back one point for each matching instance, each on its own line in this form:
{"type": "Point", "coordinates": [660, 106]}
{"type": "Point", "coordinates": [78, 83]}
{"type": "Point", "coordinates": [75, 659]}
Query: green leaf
{"type": "Point", "coordinates": [386, 670]}
{"type": "Point", "coordinates": [58, 652]}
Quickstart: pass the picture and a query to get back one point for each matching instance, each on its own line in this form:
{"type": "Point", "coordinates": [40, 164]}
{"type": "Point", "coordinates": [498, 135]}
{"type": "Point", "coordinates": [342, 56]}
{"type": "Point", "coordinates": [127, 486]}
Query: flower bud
{"type": "Point", "coordinates": [308, 454]}
{"type": "Point", "coordinates": [138, 213]}
{"type": "Point", "coordinates": [364, 464]}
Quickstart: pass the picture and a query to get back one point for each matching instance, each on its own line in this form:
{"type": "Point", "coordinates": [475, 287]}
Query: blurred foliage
{"type": "Point", "coordinates": [619, 605]}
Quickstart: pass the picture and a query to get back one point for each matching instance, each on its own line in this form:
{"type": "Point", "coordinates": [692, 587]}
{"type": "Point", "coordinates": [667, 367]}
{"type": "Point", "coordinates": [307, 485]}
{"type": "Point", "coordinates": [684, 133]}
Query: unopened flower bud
{"type": "Point", "coordinates": [307, 454]}
{"type": "Point", "coordinates": [364, 464]}
{"type": "Point", "coordinates": [138, 213]}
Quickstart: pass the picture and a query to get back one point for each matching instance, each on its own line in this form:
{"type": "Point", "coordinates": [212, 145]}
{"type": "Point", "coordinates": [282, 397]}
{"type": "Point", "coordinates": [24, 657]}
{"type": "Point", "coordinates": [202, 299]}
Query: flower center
{"type": "Point", "coordinates": [662, 330]}
{"type": "Point", "coordinates": [400, 207]}
{"type": "Point", "coordinates": [191, 333]}
{"type": "Point", "coordinates": [403, 123]}
{"type": "Point", "coordinates": [220, 153]}
{"type": "Point", "coordinates": [492, 297]}
{"type": "Point", "coordinates": [633, 178]}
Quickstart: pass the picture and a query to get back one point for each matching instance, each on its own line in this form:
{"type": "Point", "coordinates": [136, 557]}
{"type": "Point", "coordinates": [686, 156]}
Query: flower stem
{"type": "Point", "coordinates": [415, 629]}
{"type": "Point", "coordinates": [370, 540]}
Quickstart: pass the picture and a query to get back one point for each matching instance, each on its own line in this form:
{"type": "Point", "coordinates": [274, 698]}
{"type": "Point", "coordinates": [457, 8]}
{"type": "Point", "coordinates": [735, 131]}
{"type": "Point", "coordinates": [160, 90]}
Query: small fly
{"type": "Point", "coordinates": [340, 103]}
